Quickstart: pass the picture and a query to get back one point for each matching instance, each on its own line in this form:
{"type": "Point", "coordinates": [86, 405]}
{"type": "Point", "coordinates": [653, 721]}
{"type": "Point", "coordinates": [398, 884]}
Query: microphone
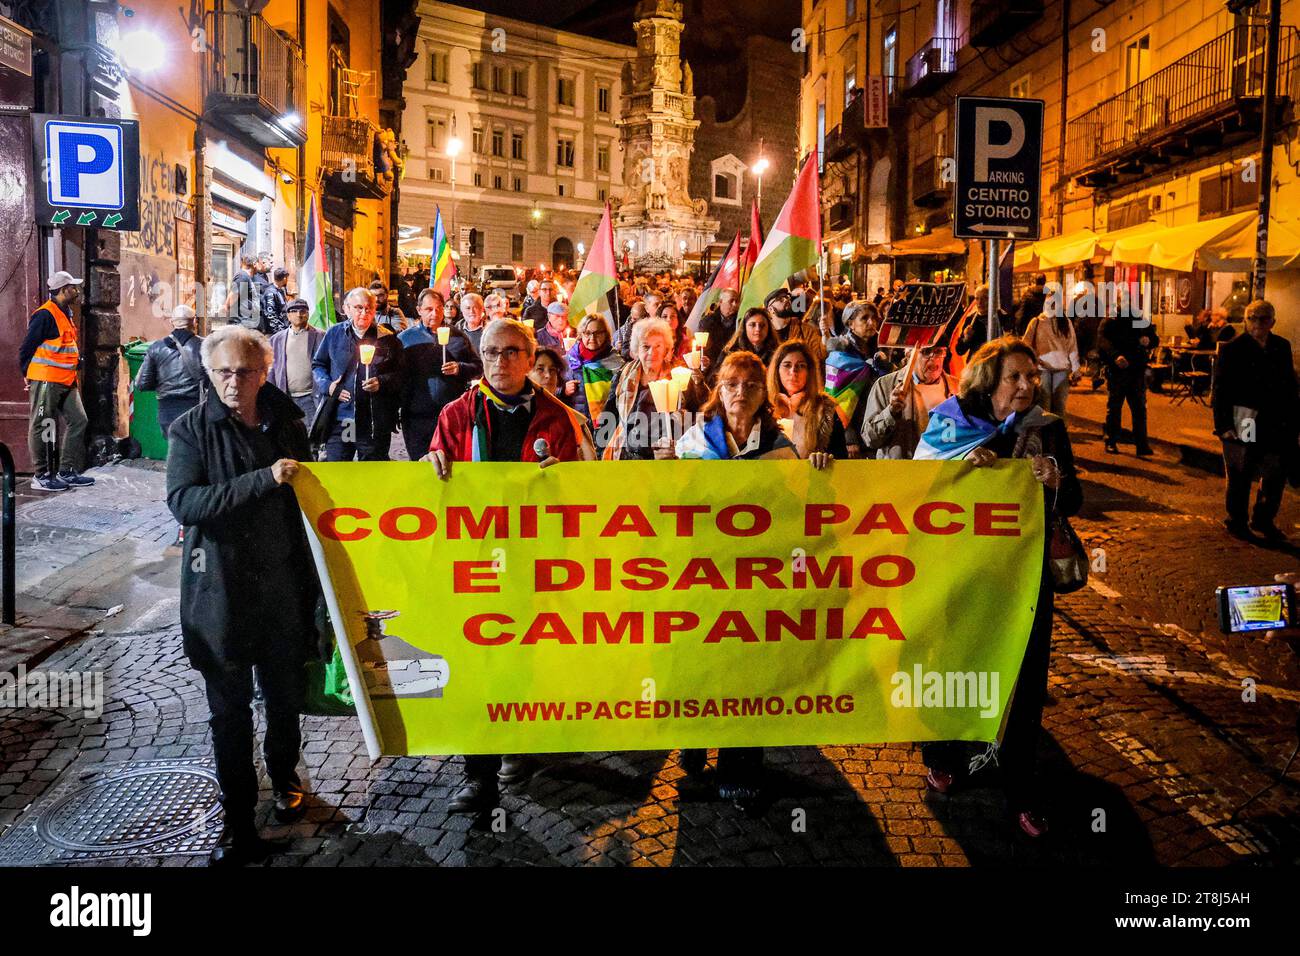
{"type": "Point", "coordinates": [541, 449]}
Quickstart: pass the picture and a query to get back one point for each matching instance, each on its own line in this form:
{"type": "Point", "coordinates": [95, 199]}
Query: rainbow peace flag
{"type": "Point", "coordinates": [444, 270]}
{"type": "Point", "coordinates": [847, 379]}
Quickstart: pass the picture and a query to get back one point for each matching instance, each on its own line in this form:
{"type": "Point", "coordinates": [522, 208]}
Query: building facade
{"type": "Point", "coordinates": [245, 118]}
{"type": "Point", "coordinates": [534, 111]}
{"type": "Point", "coordinates": [1152, 115]}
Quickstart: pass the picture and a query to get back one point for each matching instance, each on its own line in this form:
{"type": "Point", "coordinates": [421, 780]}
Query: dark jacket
{"type": "Point", "coordinates": [1262, 379]}
{"type": "Point", "coordinates": [427, 391]}
{"type": "Point", "coordinates": [279, 376]}
{"type": "Point", "coordinates": [337, 350]}
{"type": "Point", "coordinates": [1030, 306]}
{"type": "Point", "coordinates": [720, 332]}
{"type": "Point", "coordinates": [167, 372]}
{"type": "Point", "coordinates": [1118, 336]}
{"type": "Point", "coordinates": [535, 315]}
{"type": "Point", "coordinates": [248, 582]}
{"type": "Point", "coordinates": [273, 302]}
{"type": "Point", "coordinates": [246, 310]}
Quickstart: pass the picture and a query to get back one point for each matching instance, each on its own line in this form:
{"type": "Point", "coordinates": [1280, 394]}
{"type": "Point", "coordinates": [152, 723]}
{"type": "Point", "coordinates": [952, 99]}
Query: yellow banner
{"type": "Point", "coordinates": [600, 606]}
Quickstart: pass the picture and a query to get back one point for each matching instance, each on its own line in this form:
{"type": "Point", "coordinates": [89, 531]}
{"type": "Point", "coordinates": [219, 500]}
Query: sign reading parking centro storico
{"type": "Point", "coordinates": [90, 171]}
{"type": "Point", "coordinates": [999, 168]}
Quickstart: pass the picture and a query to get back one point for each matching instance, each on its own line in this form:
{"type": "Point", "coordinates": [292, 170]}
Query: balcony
{"type": "Point", "coordinates": [255, 80]}
{"type": "Point", "coordinates": [929, 191]}
{"type": "Point", "coordinates": [931, 66]}
{"type": "Point", "coordinates": [994, 22]}
{"type": "Point", "coordinates": [836, 147]}
{"type": "Point", "coordinates": [1206, 101]}
{"type": "Point", "coordinates": [352, 158]}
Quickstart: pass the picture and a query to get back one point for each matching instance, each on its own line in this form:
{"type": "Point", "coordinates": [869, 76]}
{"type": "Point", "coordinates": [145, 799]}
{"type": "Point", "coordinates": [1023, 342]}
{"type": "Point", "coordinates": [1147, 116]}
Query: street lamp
{"type": "Point", "coordinates": [758, 169]}
{"type": "Point", "coordinates": [453, 150]}
{"type": "Point", "coordinates": [141, 51]}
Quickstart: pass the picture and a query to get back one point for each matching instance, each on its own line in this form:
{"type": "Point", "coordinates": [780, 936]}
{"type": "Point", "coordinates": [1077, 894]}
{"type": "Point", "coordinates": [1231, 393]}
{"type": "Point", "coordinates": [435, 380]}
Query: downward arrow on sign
{"type": "Point", "coordinates": [60, 217]}
{"type": "Point", "coordinates": [112, 219]}
{"type": "Point", "coordinates": [86, 218]}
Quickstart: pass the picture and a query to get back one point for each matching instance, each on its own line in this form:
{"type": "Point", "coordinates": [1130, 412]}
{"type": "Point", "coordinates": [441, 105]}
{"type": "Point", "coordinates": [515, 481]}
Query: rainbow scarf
{"type": "Point", "coordinates": [481, 439]}
{"type": "Point", "coordinates": [951, 434]}
{"type": "Point", "coordinates": [848, 377]}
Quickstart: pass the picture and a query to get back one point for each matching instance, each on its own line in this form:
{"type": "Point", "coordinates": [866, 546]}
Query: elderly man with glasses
{"type": "Point", "coordinates": [248, 583]}
{"type": "Point", "coordinates": [360, 363]}
{"type": "Point", "coordinates": [505, 418]}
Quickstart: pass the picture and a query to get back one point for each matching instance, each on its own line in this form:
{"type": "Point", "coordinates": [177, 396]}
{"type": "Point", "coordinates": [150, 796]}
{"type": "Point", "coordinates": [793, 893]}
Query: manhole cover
{"type": "Point", "coordinates": [56, 513]}
{"type": "Point", "coordinates": [101, 811]}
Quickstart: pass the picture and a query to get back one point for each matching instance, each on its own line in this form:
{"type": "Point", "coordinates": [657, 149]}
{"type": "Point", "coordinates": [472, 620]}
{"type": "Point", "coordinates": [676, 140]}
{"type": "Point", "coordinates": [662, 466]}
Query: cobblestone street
{"type": "Point", "coordinates": [1149, 746]}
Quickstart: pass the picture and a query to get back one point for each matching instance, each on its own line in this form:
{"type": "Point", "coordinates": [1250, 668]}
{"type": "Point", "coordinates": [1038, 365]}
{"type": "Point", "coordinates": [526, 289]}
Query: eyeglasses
{"type": "Point", "coordinates": [243, 374]}
{"type": "Point", "coordinates": [594, 335]}
{"type": "Point", "coordinates": [502, 355]}
{"type": "Point", "coordinates": [734, 385]}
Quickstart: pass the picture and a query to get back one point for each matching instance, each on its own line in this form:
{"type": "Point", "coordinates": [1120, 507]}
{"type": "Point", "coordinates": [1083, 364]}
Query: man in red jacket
{"type": "Point", "coordinates": [504, 418]}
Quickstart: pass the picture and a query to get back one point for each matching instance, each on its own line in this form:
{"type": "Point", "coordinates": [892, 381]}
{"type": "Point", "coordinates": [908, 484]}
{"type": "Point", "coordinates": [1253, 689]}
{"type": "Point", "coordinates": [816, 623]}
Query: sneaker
{"type": "Point", "coordinates": [74, 480]}
{"type": "Point", "coordinates": [48, 482]}
{"type": "Point", "coordinates": [1112, 448]}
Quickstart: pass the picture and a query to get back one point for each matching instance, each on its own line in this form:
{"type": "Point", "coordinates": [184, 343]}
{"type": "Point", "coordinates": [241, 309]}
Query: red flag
{"type": "Point", "coordinates": [755, 243]}
{"type": "Point", "coordinates": [725, 276]}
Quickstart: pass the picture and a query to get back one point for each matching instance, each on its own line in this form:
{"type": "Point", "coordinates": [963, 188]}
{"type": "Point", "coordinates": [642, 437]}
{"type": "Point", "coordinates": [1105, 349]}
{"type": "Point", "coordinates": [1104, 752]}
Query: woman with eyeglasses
{"type": "Point", "coordinates": [993, 416]}
{"type": "Point", "coordinates": [592, 363]}
{"type": "Point", "coordinates": [630, 421]}
{"type": "Point", "coordinates": [737, 423]}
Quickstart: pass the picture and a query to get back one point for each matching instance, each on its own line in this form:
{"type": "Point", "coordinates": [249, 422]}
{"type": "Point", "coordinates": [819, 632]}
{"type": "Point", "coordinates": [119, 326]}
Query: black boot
{"type": "Point", "coordinates": [241, 845]}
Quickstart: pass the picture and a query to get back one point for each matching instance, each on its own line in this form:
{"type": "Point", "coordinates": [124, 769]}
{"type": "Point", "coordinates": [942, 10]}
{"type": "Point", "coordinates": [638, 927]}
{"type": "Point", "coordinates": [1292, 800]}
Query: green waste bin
{"type": "Point", "coordinates": [144, 408]}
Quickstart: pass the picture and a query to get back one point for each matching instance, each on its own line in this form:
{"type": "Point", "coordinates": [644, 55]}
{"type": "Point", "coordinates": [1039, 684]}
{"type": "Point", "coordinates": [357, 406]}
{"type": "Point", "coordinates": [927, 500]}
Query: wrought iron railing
{"type": "Point", "coordinates": [938, 55]}
{"type": "Point", "coordinates": [1212, 79]}
{"type": "Point", "coordinates": [248, 59]}
{"type": "Point", "coordinates": [349, 146]}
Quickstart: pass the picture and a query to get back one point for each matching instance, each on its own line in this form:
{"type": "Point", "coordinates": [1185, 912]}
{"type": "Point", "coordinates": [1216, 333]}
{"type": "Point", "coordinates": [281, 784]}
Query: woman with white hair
{"type": "Point", "coordinates": [248, 583]}
{"type": "Point", "coordinates": [627, 426]}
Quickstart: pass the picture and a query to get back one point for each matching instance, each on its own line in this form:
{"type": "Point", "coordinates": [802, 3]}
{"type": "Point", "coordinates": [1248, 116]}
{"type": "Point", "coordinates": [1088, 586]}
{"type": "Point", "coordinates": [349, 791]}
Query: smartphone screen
{"type": "Point", "coordinates": [1256, 608]}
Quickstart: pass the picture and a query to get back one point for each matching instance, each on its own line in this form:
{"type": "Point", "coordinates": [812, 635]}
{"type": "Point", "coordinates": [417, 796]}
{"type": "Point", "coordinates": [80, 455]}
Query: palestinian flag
{"type": "Point", "coordinates": [793, 244]}
{"type": "Point", "coordinates": [597, 288]}
{"type": "Point", "coordinates": [725, 276]}
{"type": "Point", "coordinates": [313, 278]}
{"type": "Point", "coordinates": [444, 270]}
{"type": "Point", "coordinates": [755, 243]}
{"type": "Point", "coordinates": [847, 379]}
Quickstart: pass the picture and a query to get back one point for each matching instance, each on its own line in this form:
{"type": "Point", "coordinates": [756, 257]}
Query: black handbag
{"type": "Point", "coordinates": [322, 423]}
{"type": "Point", "coordinates": [1066, 556]}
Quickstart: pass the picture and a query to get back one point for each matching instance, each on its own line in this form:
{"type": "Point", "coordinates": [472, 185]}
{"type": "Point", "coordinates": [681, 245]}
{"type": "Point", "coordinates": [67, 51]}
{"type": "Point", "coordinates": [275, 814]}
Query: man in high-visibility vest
{"type": "Point", "coordinates": [49, 360]}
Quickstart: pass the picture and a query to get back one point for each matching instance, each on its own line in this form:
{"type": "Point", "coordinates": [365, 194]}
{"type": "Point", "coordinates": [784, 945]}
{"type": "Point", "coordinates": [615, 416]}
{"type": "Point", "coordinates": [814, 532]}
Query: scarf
{"type": "Point", "coordinates": [629, 384]}
{"type": "Point", "coordinates": [481, 439]}
{"type": "Point", "coordinates": [596, 371]}
{"type": "Point", "coordinates": [951, 435]}
{"type": "Point", "coordinates": [707, 441]}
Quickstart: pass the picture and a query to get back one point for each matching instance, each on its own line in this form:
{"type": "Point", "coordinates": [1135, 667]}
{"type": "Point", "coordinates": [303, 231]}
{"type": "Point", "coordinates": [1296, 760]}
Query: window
{"type": "Point", "coordinates": [600, 194]}
{"type": "Point", "coordinates": [821, 38]}
{"type": "Point", "coordinates": [891, 57]}
{"type": "Point", "coordinates": [499, 142]}
{"type": "Point", "coordinates": [437, 67]}
{"type": "Point", "coordinates": [724, 186]}
{"type": "Point", "coordinates": [1137, 61]}
{"type": "Point", "coordinates": [500, 80]}
{"type": "Point", "coordinates": [602, 99]}
{"type": "Point", "coordinates": [519, 185]}
{"type": "Point", "coordinates": [850, 73]}
{"type": "Point", "coordinates": [1226, 192]}
{"type": "Point", "coordinates": [602, 158]}
{"type": "Point", "coordinates": [437, 174]}
{"type": "Point", "coordinates": [821, 135]}
{"type": "Point", "coordinates": [496, 182]}
{"type": "Point", "coordinates": [478, 75]}
{"type": "Point", "coordinates": [561, 188]}
{"type": "Point", "coordinates": [478, 139]}
{"type": "Point", "coordinates": [564, 152]}
{"type": "Point", "coordinates": [565, 91]}
{"type": "Point", "coordinates": [517, 146]}
{"type": "Point", "coordinates": [519, 81]}
{"type": "Point", "coordinates": [435, 133]}
{"type": "Point", "coordinates": [1020, 88]}
{"type": "Point", "coordinates": [516, 247]}
{"type": "Point", "coordinates": [478, 179]}
{"type": "Point", "coordinates": [850, 10]}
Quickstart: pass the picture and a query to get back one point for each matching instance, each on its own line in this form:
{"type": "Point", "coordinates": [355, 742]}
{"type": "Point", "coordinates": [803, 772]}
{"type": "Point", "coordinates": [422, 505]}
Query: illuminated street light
{"type": "Point", "coordinates": [453, 150]}
{"type": "Point", "coordinates": [758, 169]}
{"type": "Point", "coordinates": [141, 51]}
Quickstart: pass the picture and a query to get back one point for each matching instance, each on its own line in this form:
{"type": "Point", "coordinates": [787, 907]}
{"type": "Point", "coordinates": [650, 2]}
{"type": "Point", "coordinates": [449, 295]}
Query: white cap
{"type": "Point", "coordinates": [60, 279]}
{"type": "Point", "coordinates": [182, 316]}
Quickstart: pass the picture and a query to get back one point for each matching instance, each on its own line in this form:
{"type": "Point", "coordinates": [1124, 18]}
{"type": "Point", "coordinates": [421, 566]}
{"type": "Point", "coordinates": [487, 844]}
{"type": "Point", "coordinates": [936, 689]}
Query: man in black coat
{"type": "Point", "coordinates": [1032, 303]}
{"type": "Point", "coordinates": [1123, 342]}
{"type": "Point", "coordinates": [535, 314]}
{"type": "Point", "coordinates": [435, 374]}
{"type": "Point", "coordinates": [1257, 417]}
{"type": "Point", "coordinates": [248, 583]}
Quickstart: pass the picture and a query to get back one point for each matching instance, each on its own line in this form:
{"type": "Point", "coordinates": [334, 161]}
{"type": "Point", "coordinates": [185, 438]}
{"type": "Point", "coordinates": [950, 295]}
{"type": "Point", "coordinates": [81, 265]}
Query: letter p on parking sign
{"type": "Point", "coordinates": [91, 171]}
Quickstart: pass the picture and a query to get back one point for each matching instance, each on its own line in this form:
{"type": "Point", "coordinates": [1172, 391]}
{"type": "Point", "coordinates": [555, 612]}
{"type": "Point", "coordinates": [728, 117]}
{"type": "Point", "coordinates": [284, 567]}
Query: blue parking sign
{"type": "Point", "coordinates": [90, 167]}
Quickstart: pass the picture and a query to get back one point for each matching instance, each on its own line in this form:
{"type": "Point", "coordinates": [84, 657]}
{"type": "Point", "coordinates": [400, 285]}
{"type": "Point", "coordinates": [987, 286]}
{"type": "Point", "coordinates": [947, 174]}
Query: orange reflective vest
{"type": "Point", "coordinates": [56, 359]}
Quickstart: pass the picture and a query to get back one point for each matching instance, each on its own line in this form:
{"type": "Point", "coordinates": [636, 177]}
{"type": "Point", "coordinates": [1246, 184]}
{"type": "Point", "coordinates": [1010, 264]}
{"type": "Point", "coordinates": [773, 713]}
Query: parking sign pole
{"type": "Point", "coordinates": [991, 252]}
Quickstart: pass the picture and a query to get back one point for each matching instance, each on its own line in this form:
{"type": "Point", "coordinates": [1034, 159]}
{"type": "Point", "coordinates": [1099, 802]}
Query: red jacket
{"type": "Point", "coordinates": [552, 420]}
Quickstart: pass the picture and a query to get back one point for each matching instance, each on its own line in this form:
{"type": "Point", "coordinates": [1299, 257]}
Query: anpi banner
{"type": "Point", "coordinates": [650, 605]}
